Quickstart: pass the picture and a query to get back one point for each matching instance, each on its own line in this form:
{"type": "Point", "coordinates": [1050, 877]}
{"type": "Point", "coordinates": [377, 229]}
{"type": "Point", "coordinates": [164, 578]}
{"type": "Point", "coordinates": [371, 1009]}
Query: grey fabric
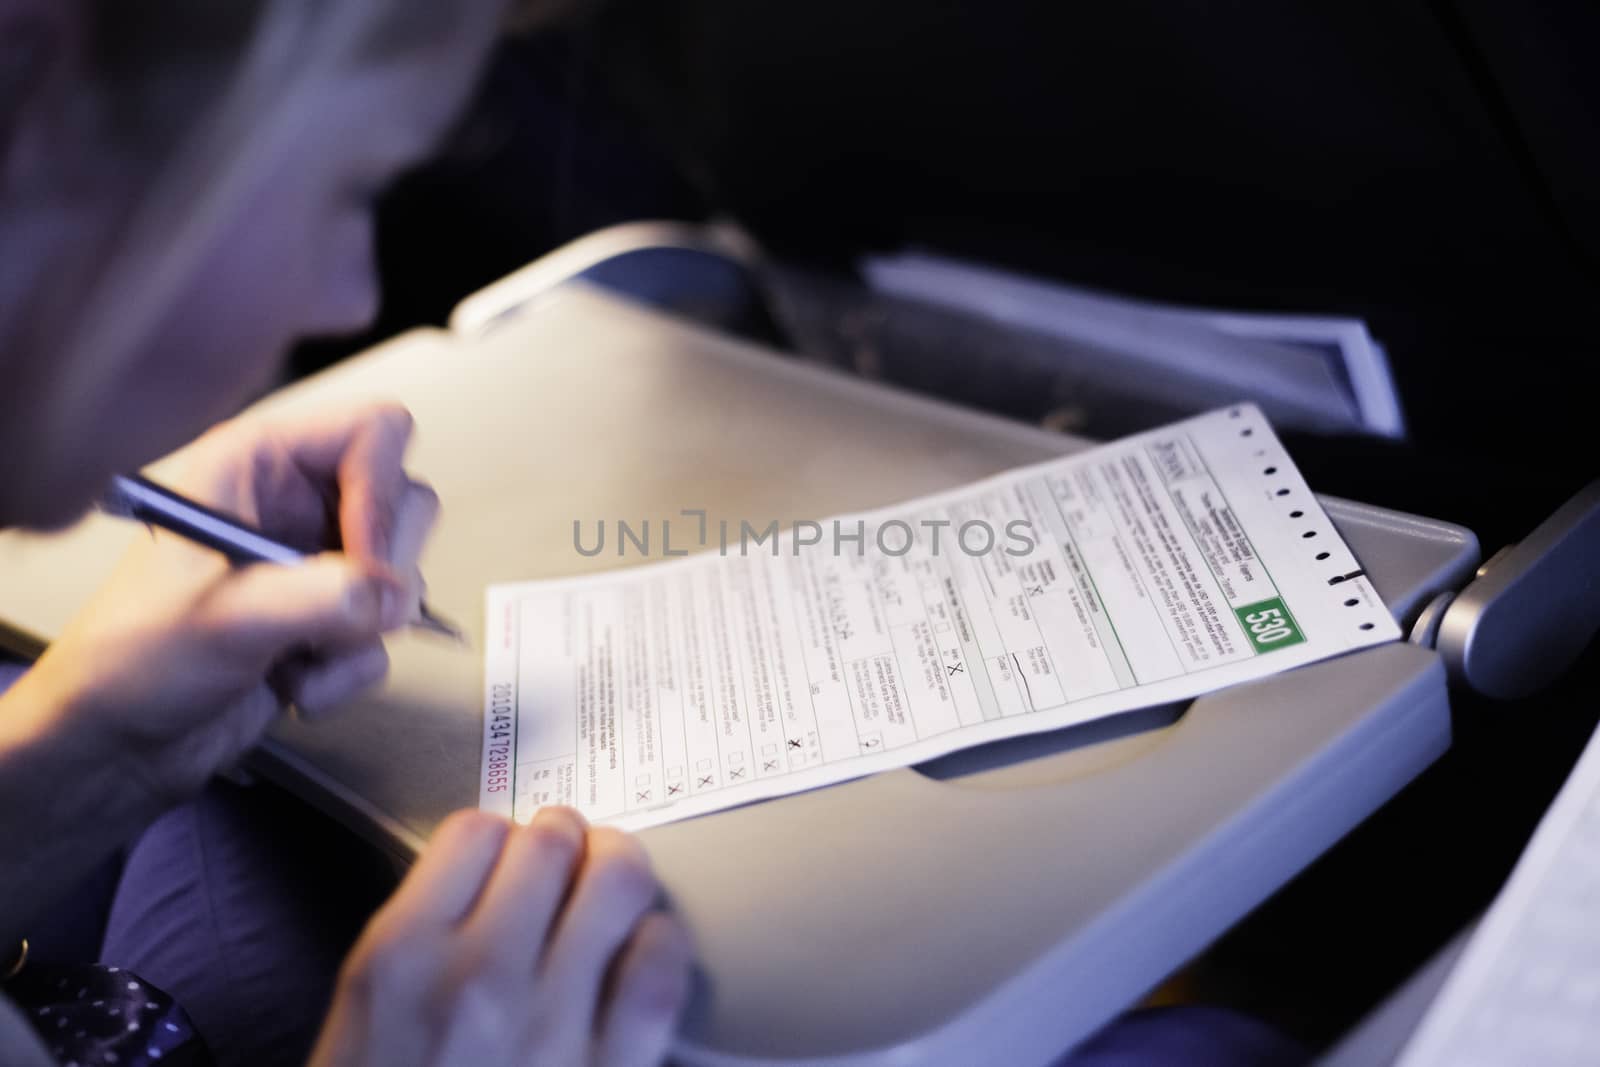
{"type": "Point", "coordinates": [240, 904]}
{"type": "Point", "coordinates": [18, 1041]}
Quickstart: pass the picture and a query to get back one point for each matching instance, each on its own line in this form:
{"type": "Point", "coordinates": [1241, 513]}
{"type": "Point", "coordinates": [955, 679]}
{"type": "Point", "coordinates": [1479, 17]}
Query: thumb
{"type": "Point", "coordinates": [261, 611]}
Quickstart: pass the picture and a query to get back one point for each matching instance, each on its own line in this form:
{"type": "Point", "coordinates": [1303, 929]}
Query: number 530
{"type": "Point", "coordinates": [1268, 626]}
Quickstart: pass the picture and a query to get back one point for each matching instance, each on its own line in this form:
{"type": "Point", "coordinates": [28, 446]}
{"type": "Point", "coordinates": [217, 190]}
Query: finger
{"type": "Point", "coordinates": [446, 881]}
{"type": "Point", "coordinates": [513, 918]}
{"type": "Point", "coordinates": [320, 442]}
{"type": "Point", "coordinates": [649, 987]}
{"type": "Point", "coordinates": [414, 519]}
{"type": "Point", "coordinates": [615, 888]}
{"type": "Point", "coordinates": [258, 613]}
{"type": "Point", "coordinates": [413, 522]}
{"type": "Point", "coordinates": [373, 484]}
{"type": "Point", "coordinates": [326, 684]}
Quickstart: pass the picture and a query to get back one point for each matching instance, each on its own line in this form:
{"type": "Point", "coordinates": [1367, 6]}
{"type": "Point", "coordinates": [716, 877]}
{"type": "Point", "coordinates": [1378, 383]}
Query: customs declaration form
{"type": "Point", "coordinates": [1142, 572]}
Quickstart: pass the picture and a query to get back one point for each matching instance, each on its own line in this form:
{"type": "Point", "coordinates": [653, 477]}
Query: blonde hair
{"type": "Point", "coordinates": [207, 92]}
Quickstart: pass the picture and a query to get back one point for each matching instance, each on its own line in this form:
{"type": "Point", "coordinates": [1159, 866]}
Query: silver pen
{"type": "Point", "coordinates": [134, 497]}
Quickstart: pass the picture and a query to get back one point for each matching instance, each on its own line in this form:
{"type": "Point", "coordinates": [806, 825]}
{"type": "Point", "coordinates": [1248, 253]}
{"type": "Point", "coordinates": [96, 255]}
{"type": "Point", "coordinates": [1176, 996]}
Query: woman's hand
{"type": "Point", "coordinates": [182, 661]}
{"type": "Point", "coordinates": [512, 946]}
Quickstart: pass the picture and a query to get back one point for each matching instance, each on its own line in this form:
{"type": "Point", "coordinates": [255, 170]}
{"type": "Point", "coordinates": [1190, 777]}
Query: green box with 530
{"type": "Point", "coordinates": [1269, 625]}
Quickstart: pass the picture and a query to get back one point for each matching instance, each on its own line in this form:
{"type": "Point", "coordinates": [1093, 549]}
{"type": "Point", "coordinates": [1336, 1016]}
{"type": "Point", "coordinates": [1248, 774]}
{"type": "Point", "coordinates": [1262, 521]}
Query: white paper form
{"type": "Point", "coordinates": [1142, 572]}
{"type": "Point", "coordinates": [1527, 988]}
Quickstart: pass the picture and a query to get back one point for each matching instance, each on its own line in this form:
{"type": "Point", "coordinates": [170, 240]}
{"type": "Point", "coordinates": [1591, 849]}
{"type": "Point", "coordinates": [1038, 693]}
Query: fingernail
{"type": "Point", "coordinates": [560, 813]}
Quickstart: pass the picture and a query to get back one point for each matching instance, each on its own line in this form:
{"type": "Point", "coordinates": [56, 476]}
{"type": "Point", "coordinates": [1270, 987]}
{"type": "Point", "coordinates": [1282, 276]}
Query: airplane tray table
{"type": "Point", "coordinates": [995, 906]}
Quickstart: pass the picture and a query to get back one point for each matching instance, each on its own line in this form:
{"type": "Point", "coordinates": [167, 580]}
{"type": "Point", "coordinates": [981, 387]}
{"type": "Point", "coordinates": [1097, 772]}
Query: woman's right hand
{"type": "Point", "coordinates": [514, 945]}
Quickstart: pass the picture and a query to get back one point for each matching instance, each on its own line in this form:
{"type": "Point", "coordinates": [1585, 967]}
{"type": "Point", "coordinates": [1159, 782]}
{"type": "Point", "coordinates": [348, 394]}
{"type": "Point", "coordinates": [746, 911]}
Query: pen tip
{"type": "Point", "coordinates": [428, 620]}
